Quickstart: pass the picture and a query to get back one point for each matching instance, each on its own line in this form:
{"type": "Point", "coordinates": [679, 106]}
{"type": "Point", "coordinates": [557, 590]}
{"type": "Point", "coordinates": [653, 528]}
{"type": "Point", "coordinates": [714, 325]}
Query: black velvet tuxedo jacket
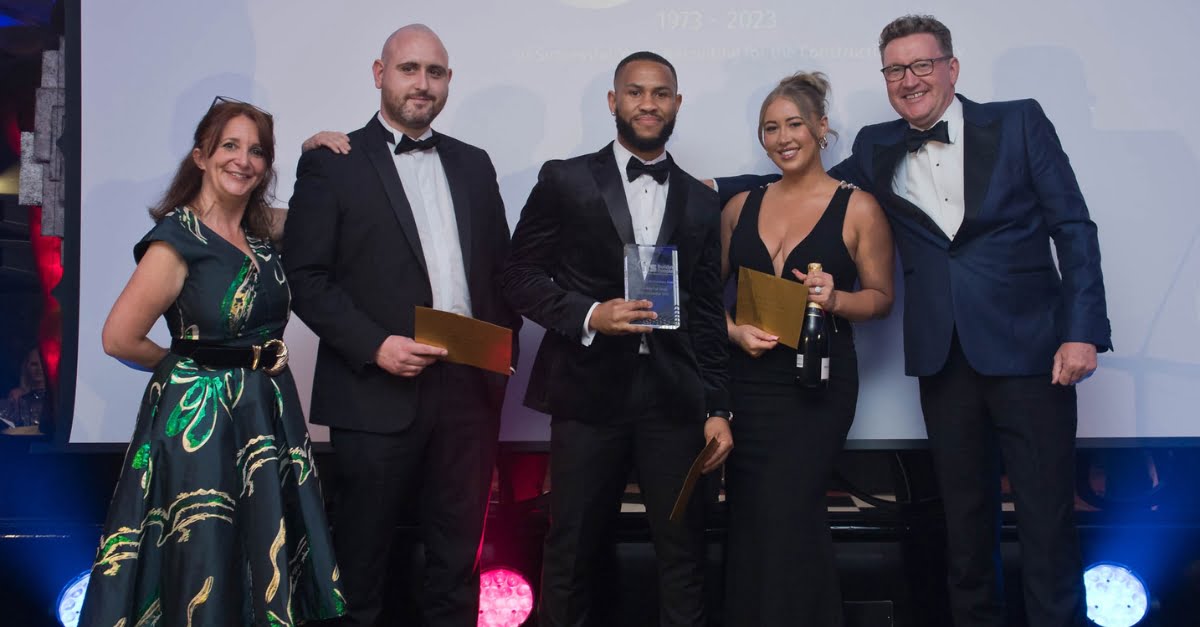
{"type": "Point", "coordinates": [357, 270]}
{"type": "Point", "coordinates": [568, 253]}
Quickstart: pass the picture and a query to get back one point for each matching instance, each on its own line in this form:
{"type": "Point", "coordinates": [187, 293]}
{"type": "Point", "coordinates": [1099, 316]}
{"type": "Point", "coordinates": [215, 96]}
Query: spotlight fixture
{"type": "Point", "coordinates": [505, 598]}
{"type": "Point", "coordinates": [1116, 596]}
{"type": "Point", "coordinates": [70, 600]}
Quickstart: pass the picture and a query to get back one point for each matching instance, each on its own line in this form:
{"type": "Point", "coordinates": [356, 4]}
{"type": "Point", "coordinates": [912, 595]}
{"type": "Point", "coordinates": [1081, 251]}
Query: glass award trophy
{"type": "Point", "coordinates": [652, 273]}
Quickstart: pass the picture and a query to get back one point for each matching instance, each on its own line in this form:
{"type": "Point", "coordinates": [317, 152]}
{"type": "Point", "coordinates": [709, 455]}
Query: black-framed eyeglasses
{"type": "Point", "coordinates": [227, 100]}
{"type": "Point", "coordinates": [920, 67]}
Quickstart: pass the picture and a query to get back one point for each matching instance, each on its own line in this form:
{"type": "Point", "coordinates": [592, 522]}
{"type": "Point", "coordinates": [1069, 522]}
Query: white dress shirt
{"type": "Point", "coordinates": [647, 200]}
{"type": "Point", "coordinates": [932, 177]}
{"type": "Point", "coordinates": [428, 194]}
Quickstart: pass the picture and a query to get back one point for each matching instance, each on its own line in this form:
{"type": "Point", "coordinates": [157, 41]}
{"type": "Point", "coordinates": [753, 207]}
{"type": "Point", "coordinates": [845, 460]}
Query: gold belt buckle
{"type": "Point", "coordinates": [281, 357]}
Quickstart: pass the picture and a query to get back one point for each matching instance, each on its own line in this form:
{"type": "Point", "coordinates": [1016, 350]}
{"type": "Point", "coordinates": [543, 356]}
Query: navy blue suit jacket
{"type": "Point", "coordinates": [996, 282]}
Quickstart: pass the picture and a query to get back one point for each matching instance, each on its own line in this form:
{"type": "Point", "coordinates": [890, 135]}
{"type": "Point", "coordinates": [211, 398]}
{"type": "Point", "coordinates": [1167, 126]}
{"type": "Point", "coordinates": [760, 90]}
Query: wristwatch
{"type": "Point", "coordinates": [721, 413]}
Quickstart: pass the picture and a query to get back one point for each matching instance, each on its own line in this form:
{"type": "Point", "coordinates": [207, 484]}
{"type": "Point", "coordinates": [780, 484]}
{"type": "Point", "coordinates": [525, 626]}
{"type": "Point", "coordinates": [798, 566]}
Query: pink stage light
{"type": "Point", "coordinates": [505, 598]}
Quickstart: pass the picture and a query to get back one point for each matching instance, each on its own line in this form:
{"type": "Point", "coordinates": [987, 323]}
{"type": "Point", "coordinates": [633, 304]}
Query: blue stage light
{"type": "Point", "coordinates": [1116, 596]}
{"type": "Point", "coordinates": [70, 600]}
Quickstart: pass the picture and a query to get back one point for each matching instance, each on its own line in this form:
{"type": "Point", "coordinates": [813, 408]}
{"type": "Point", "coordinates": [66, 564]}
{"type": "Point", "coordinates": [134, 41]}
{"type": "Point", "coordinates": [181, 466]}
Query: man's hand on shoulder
{"type": "Point", "coordinates": [615, 317]}
{"type": "Point", "coordinates": [404, 357]}
{"type": "Point", "coordinates": [337, 142]}
{"type": "Point", "coordinates": [1074, 362]}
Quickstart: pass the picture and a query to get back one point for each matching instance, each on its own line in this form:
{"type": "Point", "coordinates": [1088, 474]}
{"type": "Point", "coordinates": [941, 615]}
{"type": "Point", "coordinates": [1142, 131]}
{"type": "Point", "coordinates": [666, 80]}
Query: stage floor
{"type": "Point", "coordinates": [889, 555]}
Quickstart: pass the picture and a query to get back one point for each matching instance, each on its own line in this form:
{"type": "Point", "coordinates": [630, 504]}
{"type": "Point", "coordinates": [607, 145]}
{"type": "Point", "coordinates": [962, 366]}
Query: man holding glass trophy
{"type": "Point", "coordinates": [617, 255]}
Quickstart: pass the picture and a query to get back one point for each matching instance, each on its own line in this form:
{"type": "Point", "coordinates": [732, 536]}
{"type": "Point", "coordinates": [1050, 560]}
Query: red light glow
{"type": "Point", "coordinates": [47, 251]}
{"type": "Point", "coordinates": [505, 598]}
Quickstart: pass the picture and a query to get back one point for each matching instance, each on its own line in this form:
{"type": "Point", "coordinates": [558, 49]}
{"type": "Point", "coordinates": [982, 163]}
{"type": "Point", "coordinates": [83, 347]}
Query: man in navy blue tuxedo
{"type": "Point", "coordinates": [997, 335]}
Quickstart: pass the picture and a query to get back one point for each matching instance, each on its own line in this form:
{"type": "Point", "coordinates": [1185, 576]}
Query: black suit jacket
{"type": "Point", "coordinates": [568, 253]}
{"type": "Point", "coordinates": [357, 270]}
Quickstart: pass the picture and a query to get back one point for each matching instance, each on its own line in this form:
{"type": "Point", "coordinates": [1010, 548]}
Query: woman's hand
{"type": "Point", "coordinates": [820, 288]}
{"type": "Point", "coordinates": [753, 340]}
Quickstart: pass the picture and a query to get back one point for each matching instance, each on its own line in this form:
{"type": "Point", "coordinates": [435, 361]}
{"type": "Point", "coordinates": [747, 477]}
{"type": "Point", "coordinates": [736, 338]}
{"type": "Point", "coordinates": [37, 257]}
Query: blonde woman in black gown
{"type": "Point", "coordinates": [780, 564]}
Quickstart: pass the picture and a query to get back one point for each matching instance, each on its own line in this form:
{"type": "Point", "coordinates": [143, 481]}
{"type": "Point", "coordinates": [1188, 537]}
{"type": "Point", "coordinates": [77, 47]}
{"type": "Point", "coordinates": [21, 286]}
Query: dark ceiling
{"type": "Point", "coordinates": [25, 26]}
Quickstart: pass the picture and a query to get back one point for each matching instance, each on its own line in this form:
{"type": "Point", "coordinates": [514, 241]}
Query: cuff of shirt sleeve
{"type": "Point", "coordinates": [589, 333]}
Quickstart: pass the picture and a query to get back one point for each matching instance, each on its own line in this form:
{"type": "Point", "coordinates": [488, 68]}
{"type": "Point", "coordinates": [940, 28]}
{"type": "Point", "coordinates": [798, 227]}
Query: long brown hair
{"type": "Point", "coordinates": [26, 380]}
{"type": "Point", "coordinates": [188, 178]}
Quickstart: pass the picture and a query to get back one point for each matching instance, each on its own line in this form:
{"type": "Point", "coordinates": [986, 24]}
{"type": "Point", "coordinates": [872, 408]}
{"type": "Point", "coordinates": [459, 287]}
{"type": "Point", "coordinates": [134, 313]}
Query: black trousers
{"type": "Point", "coordinates": [589, 468]}
{"type": "Point", "coordinates": [969, 418]}
{"type": "Point", "coordinates": [445, 458]}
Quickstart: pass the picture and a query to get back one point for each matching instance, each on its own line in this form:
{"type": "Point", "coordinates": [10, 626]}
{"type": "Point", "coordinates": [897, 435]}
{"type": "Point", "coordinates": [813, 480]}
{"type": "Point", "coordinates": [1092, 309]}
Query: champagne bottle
{"type": "Point", "coordinates": [812, 355]}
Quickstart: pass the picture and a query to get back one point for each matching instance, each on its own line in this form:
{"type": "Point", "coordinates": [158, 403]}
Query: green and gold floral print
{"type": "Point", "coordinates": [217, 518]}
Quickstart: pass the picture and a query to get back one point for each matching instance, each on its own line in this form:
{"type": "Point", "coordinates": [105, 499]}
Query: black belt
{"type": "Point", "coordinates": [271, 356]}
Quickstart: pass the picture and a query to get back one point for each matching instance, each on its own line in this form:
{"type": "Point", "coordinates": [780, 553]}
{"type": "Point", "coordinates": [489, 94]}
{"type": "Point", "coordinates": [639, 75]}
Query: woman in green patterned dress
{"type": "Point", "coordinates": [217, 518]}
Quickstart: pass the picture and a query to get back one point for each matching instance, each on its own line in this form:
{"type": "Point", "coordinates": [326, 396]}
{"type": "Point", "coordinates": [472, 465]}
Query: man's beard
{"type": "Point", "coordinates": [625, 131]}
{"type": "Point", "coordinates": [414, 119]}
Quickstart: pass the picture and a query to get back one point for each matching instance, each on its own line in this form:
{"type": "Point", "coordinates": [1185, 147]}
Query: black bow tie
{"type": "Point", "coordinates": [407, 143]}
{"type": "Point", "coordinates": [657, 171]}
{"type": "Point", "coordinates": [914, 139]}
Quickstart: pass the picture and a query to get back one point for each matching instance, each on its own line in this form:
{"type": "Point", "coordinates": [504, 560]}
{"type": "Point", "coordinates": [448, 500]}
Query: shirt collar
{"type": "Point", "coordinates": [953, 116]}
{"type": "Point", "coordinates": [622, 154]}
{"type": "Point", "coordinates": [396, 134]}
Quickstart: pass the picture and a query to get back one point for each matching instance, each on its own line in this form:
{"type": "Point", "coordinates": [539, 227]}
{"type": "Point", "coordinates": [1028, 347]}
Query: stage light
{"type": "Point", "coordinates": [70, 600]}
{"type": "Point", "coordinates": [505, 598]}
{"type": "Point", "coordinates": [1116, 596]}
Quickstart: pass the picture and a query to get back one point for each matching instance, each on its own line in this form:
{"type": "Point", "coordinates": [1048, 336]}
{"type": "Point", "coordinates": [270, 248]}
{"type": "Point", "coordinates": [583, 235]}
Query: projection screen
{"type": "Point", "coordinates": [529, 84]}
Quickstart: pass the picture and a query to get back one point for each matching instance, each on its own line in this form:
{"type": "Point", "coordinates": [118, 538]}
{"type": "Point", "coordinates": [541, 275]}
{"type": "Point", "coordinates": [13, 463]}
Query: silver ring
{"type": "Point", "coordinates": [816, 289]}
